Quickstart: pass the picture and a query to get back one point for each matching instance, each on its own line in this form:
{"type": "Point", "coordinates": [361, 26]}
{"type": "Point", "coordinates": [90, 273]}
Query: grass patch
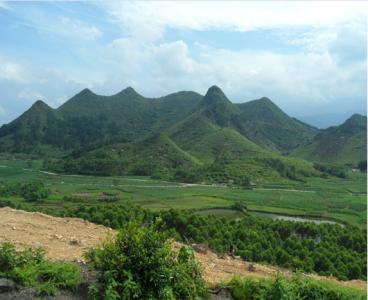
{"type": "Point", "coordinates": [295, 288]}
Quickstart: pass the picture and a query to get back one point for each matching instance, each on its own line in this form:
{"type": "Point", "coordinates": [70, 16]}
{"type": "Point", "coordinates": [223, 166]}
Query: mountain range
{"type": "Point", "coordinates": [184, 135]}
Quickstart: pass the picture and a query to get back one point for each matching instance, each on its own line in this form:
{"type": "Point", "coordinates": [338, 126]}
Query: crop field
{"type": "Point", "coordinates": [333, 198]}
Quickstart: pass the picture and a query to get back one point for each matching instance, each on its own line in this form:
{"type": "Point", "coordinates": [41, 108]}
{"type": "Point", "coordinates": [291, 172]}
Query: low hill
{"type": "Point", "coordinates": [267, 125]}
{"type": "Point", "coordinates": [344, 144]}
{"type": "Point", "coordinates": [32, 130]}
{"type": "Point", "coordinates": [157, 155]}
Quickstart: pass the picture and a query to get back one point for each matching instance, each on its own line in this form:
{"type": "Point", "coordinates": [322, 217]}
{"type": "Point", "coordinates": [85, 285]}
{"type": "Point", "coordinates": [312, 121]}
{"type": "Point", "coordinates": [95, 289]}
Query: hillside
{"type": "Point", "coordinates": [181, 136]}
{"type": "Point", "coordinates": [203, 147]}
{"type": "Point", "coordinates": [68, 238]}
{"type": "Point", "coordinates": [267, 125]}
{"type": "Point", "coordinates": [344, 144]}
{"type": "Point", "coordinates": [157, 154]}
{"type": "Point", "coordinates": [88, 120]}
{"type": "Point", "coordinates": [32, 130]}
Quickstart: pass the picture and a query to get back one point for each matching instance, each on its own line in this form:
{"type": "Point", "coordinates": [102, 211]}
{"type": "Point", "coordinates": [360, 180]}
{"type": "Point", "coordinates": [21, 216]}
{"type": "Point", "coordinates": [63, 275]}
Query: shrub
{"type": "Point", "coordinates": [291, 288]}
{"type": "Point", "coordinates": [29, 268]}
{"type": "Point", "coordinates": [140, 264]}
{"type": "Point", "coordinates": [34, 191]}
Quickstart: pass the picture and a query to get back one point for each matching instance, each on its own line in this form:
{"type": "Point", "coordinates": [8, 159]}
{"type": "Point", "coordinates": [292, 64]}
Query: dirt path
{"type": "Point", "coordinates": [68, 238]}
{"type": "Point", "coordinates": [62, 238]}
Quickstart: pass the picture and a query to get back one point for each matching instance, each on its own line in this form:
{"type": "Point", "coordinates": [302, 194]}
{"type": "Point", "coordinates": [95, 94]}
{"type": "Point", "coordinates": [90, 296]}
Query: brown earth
{"type": "Point", "coordinates": [68, 238]}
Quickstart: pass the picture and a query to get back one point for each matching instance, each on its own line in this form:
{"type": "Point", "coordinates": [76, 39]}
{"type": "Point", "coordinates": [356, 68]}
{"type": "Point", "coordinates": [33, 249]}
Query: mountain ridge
{"type": "Point", "coordinates": [192, 130]}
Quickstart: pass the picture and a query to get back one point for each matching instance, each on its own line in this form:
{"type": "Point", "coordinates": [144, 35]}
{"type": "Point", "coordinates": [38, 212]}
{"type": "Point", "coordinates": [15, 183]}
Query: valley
{"type": "Point", "coordinates": [245, 180]}
{"type": "Point", "coordinates": [343, 200]}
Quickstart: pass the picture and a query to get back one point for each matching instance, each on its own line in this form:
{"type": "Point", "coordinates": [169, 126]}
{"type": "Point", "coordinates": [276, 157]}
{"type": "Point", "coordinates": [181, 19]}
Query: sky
{"type": "Point", "coordinates": [310, 58]}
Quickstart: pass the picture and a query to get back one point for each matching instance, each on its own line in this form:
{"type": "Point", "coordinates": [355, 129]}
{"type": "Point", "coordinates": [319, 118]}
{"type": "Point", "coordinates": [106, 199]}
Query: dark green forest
{"type": "Point", "coordinates": [325, 249]}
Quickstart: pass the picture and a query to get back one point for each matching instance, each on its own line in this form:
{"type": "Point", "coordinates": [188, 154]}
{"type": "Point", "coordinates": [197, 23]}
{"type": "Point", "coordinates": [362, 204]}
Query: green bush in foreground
{"type": "Point", "coordinates": [29, 268]}
{"type": "Point", "coordinates": [140, 264]}
{"type": "Point", "coordinates": [295, 288]}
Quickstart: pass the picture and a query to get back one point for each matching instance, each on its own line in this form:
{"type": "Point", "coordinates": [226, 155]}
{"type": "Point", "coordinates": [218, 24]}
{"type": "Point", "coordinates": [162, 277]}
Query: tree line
{"type": "Point", "coordinates": [307, 247]}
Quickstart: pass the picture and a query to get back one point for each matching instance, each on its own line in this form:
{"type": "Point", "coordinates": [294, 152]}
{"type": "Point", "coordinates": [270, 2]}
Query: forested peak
{"type": "Point", "coordinates": [39, 104]}
{"type": "Point", "coordinates": [354, 124]}
{"type": "Point", "coordinates": [215, 95]}
{"type": "Point", "coordinates": [129, 91]}
{"type": "Point", "coordinates": [356, 119]}
{"type": "Point", "coordinates": [218, 107]}
{"type": "Point", "coordinates": [264, 103]}
{"type": "Point", "coordinates": [85, 92]}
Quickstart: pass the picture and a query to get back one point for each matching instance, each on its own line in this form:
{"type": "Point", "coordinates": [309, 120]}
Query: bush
{"type": "Point", "coordinates": [34, 191]}
{"type": "Point", "coordinates": [362, 166]}
{"type": "Point", "coordinates": [291, 288]}
{"type": "Point", "coordinates": [140, 264]}
{"type": "Point", "coordinates": [29, 268]}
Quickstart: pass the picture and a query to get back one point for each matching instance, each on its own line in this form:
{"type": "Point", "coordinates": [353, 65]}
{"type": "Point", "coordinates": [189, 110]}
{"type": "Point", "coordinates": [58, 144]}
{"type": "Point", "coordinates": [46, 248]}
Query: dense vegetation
{"type": "Point", "coordinates": [344, 144]}
{"type": "Point", "coordinates": [295, 288]}
{"type": "Point", "coordinates": [183, 136]}
{"type": "Point", "coordinates": [32, 191]}
{"type": "Point", "coordinates": [29, 268]}
{"type": "Point", "coordinates": [324, 249]}
{"type": "Point", "coordinates": [140, 264]}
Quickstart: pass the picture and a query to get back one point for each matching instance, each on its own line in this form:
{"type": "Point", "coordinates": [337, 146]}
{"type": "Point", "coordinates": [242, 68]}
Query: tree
{"type": "Point", "coordinates": [362, 166]}
{"type": "Point", "coordinates": [34, 191]}
{"type": "Point", "coordinates": [140, 264]}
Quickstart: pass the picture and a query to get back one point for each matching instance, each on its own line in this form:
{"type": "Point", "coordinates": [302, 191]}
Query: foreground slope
{"type": "Point", "coordinates": [344, 144]}
{"type": "Point", "coordinates": [68, 238]}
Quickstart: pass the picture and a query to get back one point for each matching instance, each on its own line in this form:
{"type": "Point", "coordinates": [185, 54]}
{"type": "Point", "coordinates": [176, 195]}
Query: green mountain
{"type": "Point", "coordinates": [31, 130]}
{"type": "Point", "coordinates": [204, 146]}
{"type": "Point", "coordinates": [267, 125]}
{"type": "Point", "coordinates": [157, 154]}
{"type": "Point", "coordinates": [344, 144]}
{"type": "Point", "coordinates": [182, 136]}
{"type": "Point", "coordinates": [90, 120]}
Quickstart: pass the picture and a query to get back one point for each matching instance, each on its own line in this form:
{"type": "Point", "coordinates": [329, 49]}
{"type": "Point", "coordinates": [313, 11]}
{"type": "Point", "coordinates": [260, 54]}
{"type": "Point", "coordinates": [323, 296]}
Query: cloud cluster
{"type": "Point", "coordinates": [325, 71]}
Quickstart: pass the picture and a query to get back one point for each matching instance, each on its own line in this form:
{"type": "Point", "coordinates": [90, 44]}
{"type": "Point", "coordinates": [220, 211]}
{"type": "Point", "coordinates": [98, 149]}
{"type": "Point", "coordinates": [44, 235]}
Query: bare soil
{"type": "Point", "coordinates": [68, 238]}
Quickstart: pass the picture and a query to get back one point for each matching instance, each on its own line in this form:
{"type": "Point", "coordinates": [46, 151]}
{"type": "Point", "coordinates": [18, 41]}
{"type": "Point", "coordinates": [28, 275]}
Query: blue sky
{"type": "Point", "coordinates": [308, 57]}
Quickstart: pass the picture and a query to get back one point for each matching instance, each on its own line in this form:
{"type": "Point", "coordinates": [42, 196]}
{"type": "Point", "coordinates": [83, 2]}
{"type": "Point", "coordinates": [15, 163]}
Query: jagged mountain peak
{"type": "Point", "coordinates": [129, 91]}
{"type": "Point", "coordinates": [217, 107]}
{"type": "Point", "coordinates": [85, 92]}
{"type": "Point", "coordinates": [39, 104]}
{"type": "Point", "coordinates": [215, 95]}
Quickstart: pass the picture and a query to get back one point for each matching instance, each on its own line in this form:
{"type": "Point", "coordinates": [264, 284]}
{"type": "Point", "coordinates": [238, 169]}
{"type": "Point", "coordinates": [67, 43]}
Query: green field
{"type": "Point", "coordinates": [332, 198]}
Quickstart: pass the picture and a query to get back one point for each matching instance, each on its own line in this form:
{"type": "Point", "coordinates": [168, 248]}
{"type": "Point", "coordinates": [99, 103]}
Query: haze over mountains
{"type": "Point", "coordinates": [182, 135]}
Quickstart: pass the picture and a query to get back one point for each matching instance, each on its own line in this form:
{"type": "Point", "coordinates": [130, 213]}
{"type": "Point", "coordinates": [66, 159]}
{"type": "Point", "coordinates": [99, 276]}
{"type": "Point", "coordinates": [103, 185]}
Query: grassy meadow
{"type": "Point", "coordinates": [332, 198]}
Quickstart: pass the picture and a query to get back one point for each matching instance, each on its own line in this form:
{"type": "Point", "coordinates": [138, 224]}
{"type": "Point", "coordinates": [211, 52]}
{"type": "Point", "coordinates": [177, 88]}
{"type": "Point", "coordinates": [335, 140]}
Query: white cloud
{"type": "Point", "coordinates": [2, 111]}
{"type": "Point", "coordinates": [174, 58]}
{"type": "Point", "coordinates": [148, 19]}
{"type": "Point", "coordinates": [30, 95]}
{"type": "Point", "coordinates": [61, 24]}
{"type": "Point", "coordinates": [11, 71]}
{"type": "Point", "coordinates": [76, 29]}
{"type": "Point", "coordinates": [327, 68]}
{"type": "Point", "coordinates": [4, 5]}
